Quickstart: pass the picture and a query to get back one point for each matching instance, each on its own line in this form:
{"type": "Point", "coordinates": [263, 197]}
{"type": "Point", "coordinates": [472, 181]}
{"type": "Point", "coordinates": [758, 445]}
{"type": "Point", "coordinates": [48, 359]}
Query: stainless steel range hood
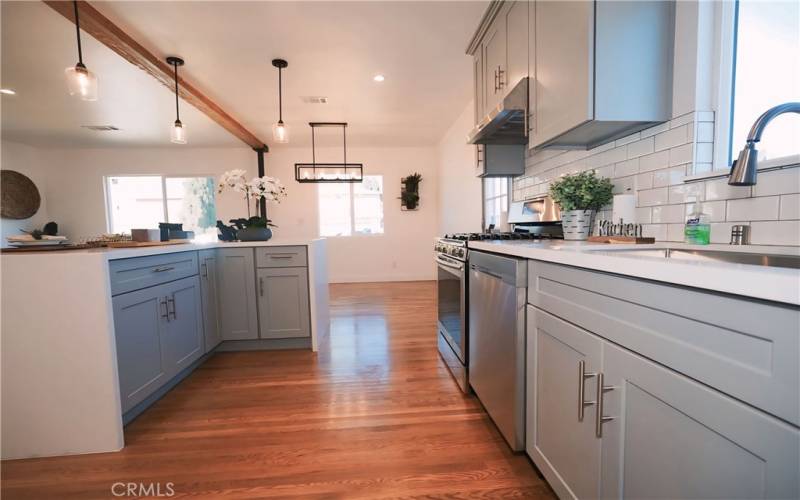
{"type": "Point", "coordinates": [505, 124]}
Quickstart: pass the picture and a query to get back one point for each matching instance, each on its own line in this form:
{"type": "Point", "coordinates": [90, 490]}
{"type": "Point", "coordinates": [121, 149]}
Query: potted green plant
{"type": "Point", "coordinates": [579, 196]}
{"type": "Point", "coordinates": [255, 227]}
{"type": "Point", "coordinates": [410, 192]}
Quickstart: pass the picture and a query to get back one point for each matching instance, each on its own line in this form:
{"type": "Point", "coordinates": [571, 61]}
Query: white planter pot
{"type": "Point", "coordinates": [577, 224]}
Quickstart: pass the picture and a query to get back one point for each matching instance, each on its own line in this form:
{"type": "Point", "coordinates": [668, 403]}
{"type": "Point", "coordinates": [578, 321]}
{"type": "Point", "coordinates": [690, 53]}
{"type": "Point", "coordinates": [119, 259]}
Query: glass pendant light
{"type": "Point", "coordinates": [178, 135]}
{"type": "Point", "coordinates": [280, 131]}
{"type": "Point", "coordinates": [80, 81]}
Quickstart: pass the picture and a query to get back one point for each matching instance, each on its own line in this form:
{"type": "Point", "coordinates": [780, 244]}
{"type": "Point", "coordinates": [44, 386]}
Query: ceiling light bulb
{"type": "Point", "coordinates": [379, 78]}
{"type": "Point", "coordinates": [280, 132]}
{"type": "Point", "coordinates": [178, 135]}
{"type": "Point", "coordinates": [81, 82]}
{"type": "Point", "coordinates": [7, 92]}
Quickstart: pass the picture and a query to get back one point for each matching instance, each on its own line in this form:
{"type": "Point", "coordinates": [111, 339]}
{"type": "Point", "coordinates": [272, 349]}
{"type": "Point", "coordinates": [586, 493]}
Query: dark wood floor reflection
{"type": "Point", "coordinates": [374, 414]}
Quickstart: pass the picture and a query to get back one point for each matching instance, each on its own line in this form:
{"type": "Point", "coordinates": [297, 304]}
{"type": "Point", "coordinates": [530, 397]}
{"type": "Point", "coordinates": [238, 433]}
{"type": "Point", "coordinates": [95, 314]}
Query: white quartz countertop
{"type": "Point", "coordinates": [760, 282]}
{"type": "Point", "coordinates": [126, 253]}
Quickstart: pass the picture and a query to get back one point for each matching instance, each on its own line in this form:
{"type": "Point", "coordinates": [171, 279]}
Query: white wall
{"type": "Point", "coordinates": [25, 160]}
{"type": "Point", "coordinates": [76, 199]}
{"type": "Point", "coordinates": [460, 208]}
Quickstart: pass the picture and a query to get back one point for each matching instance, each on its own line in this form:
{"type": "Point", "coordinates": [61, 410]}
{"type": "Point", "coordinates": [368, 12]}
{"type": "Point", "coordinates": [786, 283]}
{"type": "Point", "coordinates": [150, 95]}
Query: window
{"type": "Point", "coordinates": [766, 72]}
{"type": "Point", "coordinates": [142, 201]}
{"type": "Point", "coordinates": [351, 208]}
{"type": "Point", "coordinates": [495, 200]}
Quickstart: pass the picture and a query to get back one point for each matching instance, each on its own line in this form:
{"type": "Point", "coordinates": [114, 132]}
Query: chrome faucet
{"type": "Point", "coordinates": [743, 170]}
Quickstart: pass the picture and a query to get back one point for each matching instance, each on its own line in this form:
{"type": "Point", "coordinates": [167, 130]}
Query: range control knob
{"type": "Point", "coordinates": [460, 252]}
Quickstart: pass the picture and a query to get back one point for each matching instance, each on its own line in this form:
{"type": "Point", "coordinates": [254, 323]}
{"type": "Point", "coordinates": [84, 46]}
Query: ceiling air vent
{"type": "Point", "coordinates": [314, 99]}
{"type": "Point", "coordinates": [100, 128]}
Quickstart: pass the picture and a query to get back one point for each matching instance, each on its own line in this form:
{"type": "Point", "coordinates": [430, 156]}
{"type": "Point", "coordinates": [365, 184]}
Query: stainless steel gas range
{"type": "Point", "coordinates": [452, 255]}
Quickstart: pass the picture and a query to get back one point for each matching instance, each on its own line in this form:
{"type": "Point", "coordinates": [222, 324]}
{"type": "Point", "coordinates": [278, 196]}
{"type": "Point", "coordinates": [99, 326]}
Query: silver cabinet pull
{"type": "Point", "coordinates": [205, 270]}
{"type": "Point", "coordinates": [582, 376]}
{"type": "Point", "coordinates": [281, 256]}
{"type": "Point", "coordinates": [500, 74]}
{"type": "Point", "coordinates": [496, 76]}
{"type": "Point", "coordinates": [600, 419]}
{"type": "Point", "coordinates": [174, 312]}
{"type": "Point", "coordinates": [166, 308]}
{"type": "Point", "coordinates": [261, 286]}
{"type": "Point", "coordinates": [162, 269]}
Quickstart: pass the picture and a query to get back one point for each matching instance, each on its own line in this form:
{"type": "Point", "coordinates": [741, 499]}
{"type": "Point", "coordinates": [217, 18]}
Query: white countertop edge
{"type": "Point", "coordinates": [772, 284]}
{"type": "Point", "coordinates": [126, 253]}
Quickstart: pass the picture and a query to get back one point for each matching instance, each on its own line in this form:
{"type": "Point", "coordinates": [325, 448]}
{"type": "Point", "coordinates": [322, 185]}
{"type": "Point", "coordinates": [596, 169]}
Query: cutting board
{"type": "Point", "coordinates": [621, 240]}
{"type": "Point", "coordinates": [140, 244]}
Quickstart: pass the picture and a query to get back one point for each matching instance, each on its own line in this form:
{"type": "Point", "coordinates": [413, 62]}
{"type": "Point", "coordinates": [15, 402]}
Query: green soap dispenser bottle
{"type": "Point", "coordinates": [697, 230]}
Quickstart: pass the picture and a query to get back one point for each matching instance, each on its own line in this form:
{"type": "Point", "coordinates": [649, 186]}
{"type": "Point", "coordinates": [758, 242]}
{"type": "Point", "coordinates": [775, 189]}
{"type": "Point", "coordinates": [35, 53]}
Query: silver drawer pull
{"type": "Point", "coordinates": [582, 376]}
{"type": "Point", "coordinates": [281, 256]}
{"type": "Point", "coordinates": [600, 419]}
{"type": "Point", "coordinates": [162, 269]}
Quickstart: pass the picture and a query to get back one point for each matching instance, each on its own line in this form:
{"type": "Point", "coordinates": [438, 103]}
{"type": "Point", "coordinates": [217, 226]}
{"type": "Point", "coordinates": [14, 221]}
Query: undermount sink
{"type": "Point", "coordinates": [755, 259]}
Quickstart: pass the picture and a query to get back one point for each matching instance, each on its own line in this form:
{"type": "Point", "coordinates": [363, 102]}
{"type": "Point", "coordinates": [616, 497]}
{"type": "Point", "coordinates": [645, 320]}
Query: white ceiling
{"type": "Point", "coordinates": [333, 49]}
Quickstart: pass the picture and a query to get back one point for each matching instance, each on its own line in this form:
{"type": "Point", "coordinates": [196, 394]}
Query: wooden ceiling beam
{"type": "Point", "coordinates": [113, 37]}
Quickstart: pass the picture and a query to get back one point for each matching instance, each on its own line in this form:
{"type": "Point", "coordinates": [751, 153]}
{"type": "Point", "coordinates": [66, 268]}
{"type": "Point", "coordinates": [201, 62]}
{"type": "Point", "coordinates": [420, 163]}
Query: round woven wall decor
{"type": "Point", "coordinates": [19, 198]}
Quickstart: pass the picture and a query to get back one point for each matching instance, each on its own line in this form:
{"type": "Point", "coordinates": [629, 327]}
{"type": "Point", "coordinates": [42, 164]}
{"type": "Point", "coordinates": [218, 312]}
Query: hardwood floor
{"type": "Point", "coordinates": [375, 414]}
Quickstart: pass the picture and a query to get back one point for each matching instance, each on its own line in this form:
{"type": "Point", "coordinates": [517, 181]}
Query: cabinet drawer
{"type": "Point", "coordinates": [745, 348]}
{"type": "Point", "coordinates": [142, 272]}
{"type": "Point", "coordinates": [281, 257]}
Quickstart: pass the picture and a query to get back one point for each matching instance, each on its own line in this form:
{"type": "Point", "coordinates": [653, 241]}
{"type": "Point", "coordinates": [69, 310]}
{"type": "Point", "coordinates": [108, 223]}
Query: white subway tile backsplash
{"type": "Point", "coordinates": [681, 154]}
{"type": "Point", "coordinates": [650, 197]}
{"type": "Point", "coordinates": [673, 137]}
{"type": "Point", "coordinates": [786, 181]}
{"type": "Point", "coordinates": [748, 209]}
{"type": "Point", "coordinates": [790, 207]}
{"type": "Point", "coordinates": [669, 176]}
{"type": "Point", "coordinates": [785, 232]}
{"type": "Point", "coordinates": [654, 161]}
{"type": "Point", "coordinates": [643, 215]}
{"type": "Point", "coordinates": [668, 214]}
{"type": "Point", "coordinates": [719, 189]}
{"type": "Point", "coordinates": [627, 167]}
{"type": "Point", "coordinates": [683, 193]}
{"type": "Point", "coordinates": [653, 164]}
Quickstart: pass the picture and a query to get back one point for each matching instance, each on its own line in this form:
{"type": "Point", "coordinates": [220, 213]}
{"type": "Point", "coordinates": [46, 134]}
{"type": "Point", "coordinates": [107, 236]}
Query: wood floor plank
{"type": "Point", "coordinates": [373, 415]}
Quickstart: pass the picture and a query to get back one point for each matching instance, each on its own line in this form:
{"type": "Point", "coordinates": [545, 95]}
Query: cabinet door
{"type": "Point", "coordinates": [238, 316]}
{"type": "Point", "coordinates": [138, 318]}
{"type": "Point", "coordinates": [208, 291]}
{"type": "Point", "coordinates": [516, 16]}
{"type": "Point", "coordinates": [561, 440]}
{"type": "Point", "coordinates": [495, 64]}
{"type": "Point", "coordinates": [531, 72]}
{"type": "Point", "coordinates": [564, 67]}
{"type": "Point", "coordinates": [182, 336]}
{"type": "Point", "coordinates": [283, 302]}
{"type": "Point", "coordinates": [672, 437]}
{"type": "Point", "coordinates": [479, 85]}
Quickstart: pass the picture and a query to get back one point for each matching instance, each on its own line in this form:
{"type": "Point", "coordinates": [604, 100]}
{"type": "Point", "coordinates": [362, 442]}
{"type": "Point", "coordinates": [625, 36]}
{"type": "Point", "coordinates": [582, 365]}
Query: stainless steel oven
{"type": "Point", "coordinates": [451, 284]}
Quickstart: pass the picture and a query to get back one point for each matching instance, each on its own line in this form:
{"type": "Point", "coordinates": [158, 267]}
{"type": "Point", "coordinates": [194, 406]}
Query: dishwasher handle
{"type": "Point", "coordinates": [483, 270]}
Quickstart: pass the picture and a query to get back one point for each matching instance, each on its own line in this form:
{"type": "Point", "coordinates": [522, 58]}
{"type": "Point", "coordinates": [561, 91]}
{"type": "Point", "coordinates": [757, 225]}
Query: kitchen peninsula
{"type": "Point", "coordinates": [139, 320]}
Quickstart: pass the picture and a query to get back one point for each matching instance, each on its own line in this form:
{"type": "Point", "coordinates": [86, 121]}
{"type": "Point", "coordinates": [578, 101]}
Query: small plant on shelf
{"type": "Point", "coordinates": [579, 196]}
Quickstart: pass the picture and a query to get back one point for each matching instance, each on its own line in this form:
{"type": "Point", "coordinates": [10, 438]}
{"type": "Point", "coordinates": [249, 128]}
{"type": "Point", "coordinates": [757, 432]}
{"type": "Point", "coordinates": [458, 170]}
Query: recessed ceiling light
{"type": "Point", "coordinates": [7, 92]}
{"type": "Point", "coordinates": [378, 78]}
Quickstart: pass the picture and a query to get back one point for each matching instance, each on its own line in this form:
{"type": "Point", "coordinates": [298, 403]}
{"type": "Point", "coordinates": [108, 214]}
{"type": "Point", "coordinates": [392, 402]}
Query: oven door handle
{"type": "Point", "coordinates": [450, 264]}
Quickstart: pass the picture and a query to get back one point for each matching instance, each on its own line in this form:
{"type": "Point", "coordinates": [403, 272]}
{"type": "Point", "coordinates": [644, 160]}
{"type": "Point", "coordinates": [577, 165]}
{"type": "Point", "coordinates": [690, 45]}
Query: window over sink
{"type": "Point", "coordinates": [142, 201]}
{"type": "Point", "coordinates": [347, 209]}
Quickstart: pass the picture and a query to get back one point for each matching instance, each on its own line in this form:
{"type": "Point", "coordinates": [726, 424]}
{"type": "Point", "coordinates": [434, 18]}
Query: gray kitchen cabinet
{"type": "Point", "coordinates": [139, 319]}
{"type": "Point", "coordinates": [210, 298]}
{"type": "Point", "coordinates": [531, 72]}
{"type": "Point", "coordinates": [478, 76]}
{"type": "Point", "coordinates": [238, 315]}
{"type": "Point", "coordinates": [603, 70]}
{"type": "Point", "coordinates": [182, 334]}
{"type": "Point", "coordinates": [283, 302]}
{"type": "Point", "coordinates": [495, 65]}
{"type": "Point", "coordinates": [516, 21]}
{"type": "Point", "coordinates": [560, 431]}
{"type": "Point", "coordinates": [672, 437]}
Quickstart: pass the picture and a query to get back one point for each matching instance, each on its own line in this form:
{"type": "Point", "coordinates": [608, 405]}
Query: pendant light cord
{"type": "Point", "coordinates": [78, 32]}
{"type": "Point", "coordinates": [177, 109]}
{"type": "Point", "coordinates": [280, 95]}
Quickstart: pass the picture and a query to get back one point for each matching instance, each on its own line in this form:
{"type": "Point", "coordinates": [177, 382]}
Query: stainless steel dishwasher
{"type": "Point", "coordinates": [497, 286]}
